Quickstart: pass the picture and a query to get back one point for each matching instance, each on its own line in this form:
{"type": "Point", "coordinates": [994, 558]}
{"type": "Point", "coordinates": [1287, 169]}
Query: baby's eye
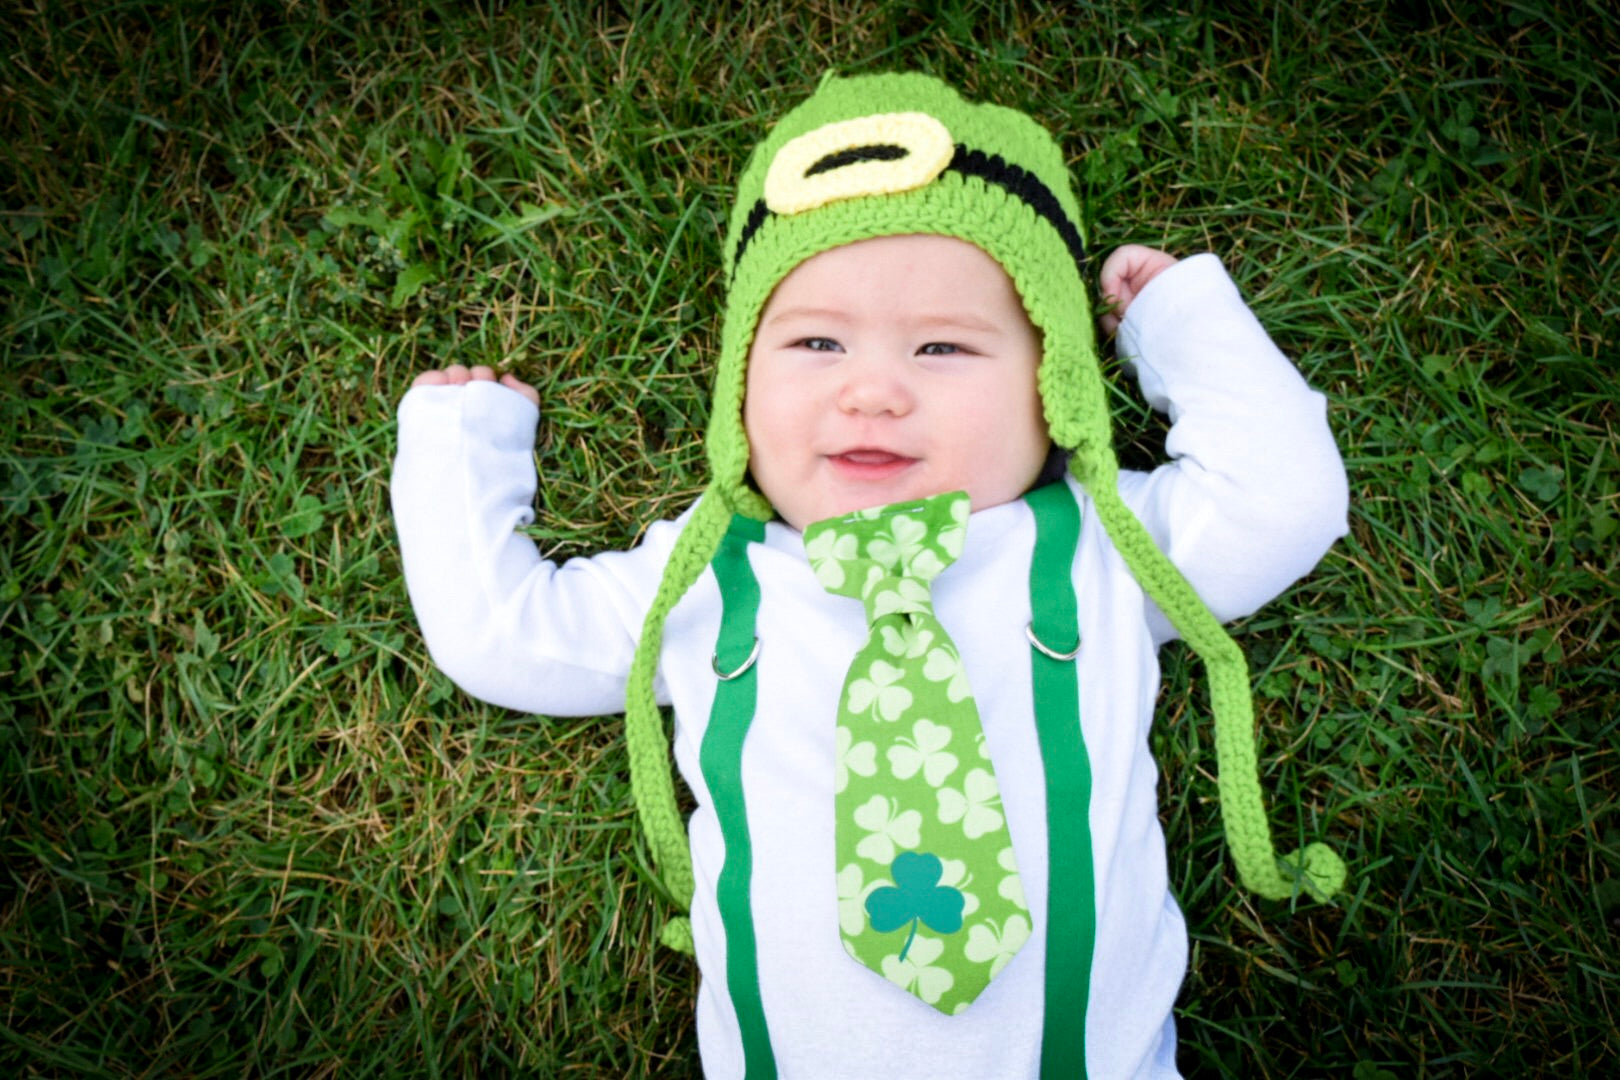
{"type": "Point", "coordinates": [939, 348]}
{"type": "Point", "coordinates": [818, 344]}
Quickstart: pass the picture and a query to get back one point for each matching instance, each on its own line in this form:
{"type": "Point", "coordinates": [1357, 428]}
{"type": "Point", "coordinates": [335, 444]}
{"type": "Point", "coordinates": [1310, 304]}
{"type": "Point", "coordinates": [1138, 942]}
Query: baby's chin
{"type": "Point", "coordinates": [801, 515]}
{"type": "Point", "coordinates": [836, 491]}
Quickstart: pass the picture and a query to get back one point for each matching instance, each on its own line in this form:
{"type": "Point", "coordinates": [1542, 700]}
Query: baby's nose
{"type": "Point", "coordinates": [875, 388]}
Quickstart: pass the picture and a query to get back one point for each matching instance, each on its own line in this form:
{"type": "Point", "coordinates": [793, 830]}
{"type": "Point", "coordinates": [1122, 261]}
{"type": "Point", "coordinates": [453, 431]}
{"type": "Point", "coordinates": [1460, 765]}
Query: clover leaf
{"type": "Point", "coordinates": [916, 896]}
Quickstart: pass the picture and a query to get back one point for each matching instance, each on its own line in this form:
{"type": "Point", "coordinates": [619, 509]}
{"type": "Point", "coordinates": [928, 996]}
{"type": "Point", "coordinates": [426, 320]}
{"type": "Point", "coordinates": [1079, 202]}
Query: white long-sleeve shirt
{"type": "Point", "coordinates": [1253, 496]}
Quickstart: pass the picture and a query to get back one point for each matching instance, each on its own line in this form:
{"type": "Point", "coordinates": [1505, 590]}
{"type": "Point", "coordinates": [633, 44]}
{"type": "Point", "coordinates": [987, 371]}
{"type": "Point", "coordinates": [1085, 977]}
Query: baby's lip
{"type": "Point", "coordinates": [870, 455]}
{"type": "Point", "coordinates": [870, 462]}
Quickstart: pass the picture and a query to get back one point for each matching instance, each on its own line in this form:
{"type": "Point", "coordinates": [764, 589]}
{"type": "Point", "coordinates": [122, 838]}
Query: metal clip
{"type": "Point", "coordinates": [746, 664]}
{"type": "Point", "coordinates": [1029, 632]}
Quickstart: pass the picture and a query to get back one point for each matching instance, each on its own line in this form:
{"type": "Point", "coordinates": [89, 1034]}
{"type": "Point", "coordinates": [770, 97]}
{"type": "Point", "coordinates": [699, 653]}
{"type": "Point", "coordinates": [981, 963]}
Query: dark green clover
{"type": "Point", "coordinates": [916, 896]}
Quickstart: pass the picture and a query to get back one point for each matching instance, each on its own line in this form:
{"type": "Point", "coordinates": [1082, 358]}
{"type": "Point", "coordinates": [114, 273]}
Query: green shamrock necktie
{"type": "Point", "coordinates": [928, 890]}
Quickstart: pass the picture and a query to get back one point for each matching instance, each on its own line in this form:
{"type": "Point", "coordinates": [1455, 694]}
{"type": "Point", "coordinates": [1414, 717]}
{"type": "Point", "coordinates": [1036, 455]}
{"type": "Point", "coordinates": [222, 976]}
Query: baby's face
{"type": "Point", "coordinates": [892, 369]}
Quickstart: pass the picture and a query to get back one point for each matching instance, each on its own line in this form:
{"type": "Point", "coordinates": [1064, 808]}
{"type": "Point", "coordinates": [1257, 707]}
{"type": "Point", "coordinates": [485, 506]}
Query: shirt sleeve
{"type": "Point", "coordinates": [506, 625]}
{"type": "Point", "coordinates": [1255, 492]}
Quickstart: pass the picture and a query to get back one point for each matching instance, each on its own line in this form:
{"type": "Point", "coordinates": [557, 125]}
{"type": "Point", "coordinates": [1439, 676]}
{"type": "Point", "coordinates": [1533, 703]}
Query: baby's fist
{"type": "Point", "coordinates": [458, 375]}
{"type": "Point", "coordinates": [1124, 275]}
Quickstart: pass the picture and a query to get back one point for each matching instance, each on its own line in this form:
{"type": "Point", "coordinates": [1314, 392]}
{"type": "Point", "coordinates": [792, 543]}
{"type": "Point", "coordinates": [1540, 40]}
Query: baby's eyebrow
{"type": "Point", "coordinates": [959, 320]}
{"type": "Point", "coordinates": [823, 314]}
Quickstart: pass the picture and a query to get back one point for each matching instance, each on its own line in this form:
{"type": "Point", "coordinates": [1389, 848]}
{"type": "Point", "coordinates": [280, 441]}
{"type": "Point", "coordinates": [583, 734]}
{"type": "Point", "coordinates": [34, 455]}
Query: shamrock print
{"type": "Point", "coordinates": [900, 596]}
{"type": "Point", "coordinates": [925, 750]}
{"type": "Point", "coordinates": [828, 551]}
{"type": "Point", "coordinates": [904, 546]}
{"type": "Point", "coordinates": [987, 944]}
{"type": "Point", "coordinates": [887, 826]}
{"type": "Point", "coordinates": [906, 639]}
{"type": "Point", "coordinates": [955, 874]}
{"type": "Point", "coordinates": [853, 891]}
{"type": "Point", "coordinates": [974, 806]}
{"type": "Point", "coordinates": [850, 756]}
{"type": "Point", "coordinates": [1011, 888]}
{"type": "Point", "coordinates": [954, 536]}
{"type": "Point", "coordinates": [945, 665]}
{"type": "Point", "coordinates": [915, 897]}
{"type": "Point", "coordinates": [878, 694]}
{"type": "Point", "coordinates": [917, 975]}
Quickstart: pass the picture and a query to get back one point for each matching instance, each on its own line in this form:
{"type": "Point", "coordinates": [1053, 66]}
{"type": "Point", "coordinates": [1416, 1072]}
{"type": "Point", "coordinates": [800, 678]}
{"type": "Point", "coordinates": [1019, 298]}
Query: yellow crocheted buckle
{"type": "Point", "coordinates": [870, 155]}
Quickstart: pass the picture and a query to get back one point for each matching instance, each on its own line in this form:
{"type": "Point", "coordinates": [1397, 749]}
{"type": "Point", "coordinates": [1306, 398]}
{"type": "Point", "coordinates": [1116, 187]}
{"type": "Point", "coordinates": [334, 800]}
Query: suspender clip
{"type": "Point", "coordinates": [1042, 647]}
{"type": "Point", "coordinates": [746, 664]}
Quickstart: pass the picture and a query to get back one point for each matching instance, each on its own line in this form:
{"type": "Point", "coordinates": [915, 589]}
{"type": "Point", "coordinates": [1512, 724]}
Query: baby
{"type": "Point", "coordinates": [910, 629]}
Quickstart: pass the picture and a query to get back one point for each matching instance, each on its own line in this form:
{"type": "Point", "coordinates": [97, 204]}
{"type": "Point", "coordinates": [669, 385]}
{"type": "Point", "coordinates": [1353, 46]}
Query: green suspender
{"type": "Point", "coordinates": [1071, 893]}
{"type": "Point", "coordinates": [721, 760]}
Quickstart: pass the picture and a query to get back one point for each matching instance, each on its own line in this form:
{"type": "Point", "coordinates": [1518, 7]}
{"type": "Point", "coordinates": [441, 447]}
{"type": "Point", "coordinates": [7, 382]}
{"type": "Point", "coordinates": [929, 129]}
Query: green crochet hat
{"type": "Point", "coordinates": [888, 155]}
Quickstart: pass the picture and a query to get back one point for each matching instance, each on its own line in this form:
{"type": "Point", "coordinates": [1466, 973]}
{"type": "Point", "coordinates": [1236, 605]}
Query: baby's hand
{"type": "Point", "coordinates": [457, 375]}
{"type": "Point", "coordinates": [1124, 275]}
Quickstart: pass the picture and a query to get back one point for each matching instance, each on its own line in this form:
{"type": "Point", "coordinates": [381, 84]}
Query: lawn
{"type": "Point", "coordinates": [247, 829]}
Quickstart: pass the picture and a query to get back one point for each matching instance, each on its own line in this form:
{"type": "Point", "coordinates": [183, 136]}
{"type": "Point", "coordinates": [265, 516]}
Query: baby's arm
{"type": "Point", "coordinates": [505, 624]}
{"type": "Point", "coordinates": [1256, 492]}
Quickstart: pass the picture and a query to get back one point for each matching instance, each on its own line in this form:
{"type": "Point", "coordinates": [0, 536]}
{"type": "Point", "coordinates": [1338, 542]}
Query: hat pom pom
{"type": "Point", "coordinates": [1319, 868]}
{"type": "Point", "coordinates": [677, 934]}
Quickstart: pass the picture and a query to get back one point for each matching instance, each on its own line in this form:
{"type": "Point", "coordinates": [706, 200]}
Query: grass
{"type": "Point", "coordinates": [247, 829]}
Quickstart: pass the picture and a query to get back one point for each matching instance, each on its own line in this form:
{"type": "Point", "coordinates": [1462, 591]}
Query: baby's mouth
{"type": "Point", "coordinates": [870, 463]}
